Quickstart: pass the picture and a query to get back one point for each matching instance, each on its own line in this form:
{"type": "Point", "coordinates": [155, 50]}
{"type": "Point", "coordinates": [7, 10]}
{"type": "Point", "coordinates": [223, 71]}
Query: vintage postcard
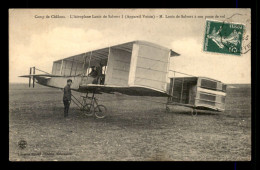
{"type": "Point", "coordinates": [130, 85]}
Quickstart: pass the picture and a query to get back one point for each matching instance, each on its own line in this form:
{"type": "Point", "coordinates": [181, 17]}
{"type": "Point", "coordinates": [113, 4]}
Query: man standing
{"type": "Point", "coordinates": [67, 97]}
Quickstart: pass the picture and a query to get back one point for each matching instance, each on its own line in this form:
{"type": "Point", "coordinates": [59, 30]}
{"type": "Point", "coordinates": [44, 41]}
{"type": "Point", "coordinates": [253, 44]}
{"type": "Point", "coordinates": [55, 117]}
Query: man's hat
{"type": "Point", "coordinates": [69, 80]}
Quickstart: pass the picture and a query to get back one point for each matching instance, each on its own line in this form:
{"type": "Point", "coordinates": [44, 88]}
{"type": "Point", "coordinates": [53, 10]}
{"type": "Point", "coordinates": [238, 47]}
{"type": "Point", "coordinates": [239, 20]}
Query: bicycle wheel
{"type": "Point", "coordinates": [100, 111]}
{"type": "Point", "coordinates": [194, 112]}
{"type": "Point", "coordinates": [87, 110]}
{"type": "Point", "coordinates": [168, 109]}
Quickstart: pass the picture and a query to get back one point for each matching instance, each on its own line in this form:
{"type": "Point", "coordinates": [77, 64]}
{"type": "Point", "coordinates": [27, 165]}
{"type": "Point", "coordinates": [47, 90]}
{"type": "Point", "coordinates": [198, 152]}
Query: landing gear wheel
{"type": "Point", "coordinates": [167, 109]}
{"type": "Point", "coordinates": [87, 110]}
{"type": "Point", "coordinates": [194, 112]}
{"type": "Point", "coordinates": [100, 111]}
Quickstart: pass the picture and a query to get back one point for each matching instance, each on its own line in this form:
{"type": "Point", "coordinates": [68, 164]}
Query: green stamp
{"type": "Point", "coordinates": [223, 37]}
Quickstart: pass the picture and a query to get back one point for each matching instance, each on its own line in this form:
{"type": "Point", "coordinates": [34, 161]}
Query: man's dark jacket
{"type": "Point", "coordinates": [67, 93]}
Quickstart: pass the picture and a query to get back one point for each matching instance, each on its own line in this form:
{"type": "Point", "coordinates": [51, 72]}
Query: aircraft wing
{"type": "Point", "coordinates": [132, 90]}
{"type": "Point", "coordinates": [40, 75]}
{"type": "Point", "coordinates": [41, 78]}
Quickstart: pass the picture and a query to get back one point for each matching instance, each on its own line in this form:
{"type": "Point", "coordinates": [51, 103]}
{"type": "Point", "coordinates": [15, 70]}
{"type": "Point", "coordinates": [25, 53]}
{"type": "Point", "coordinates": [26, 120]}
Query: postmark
{"type": "Point", "coordinates": [22, 144]}
{"type": "Point", "coordinates": [223, 37]}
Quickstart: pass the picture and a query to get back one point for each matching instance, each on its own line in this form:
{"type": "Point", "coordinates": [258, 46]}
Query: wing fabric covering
{"type": "Point", "coordinates": [132, 91]}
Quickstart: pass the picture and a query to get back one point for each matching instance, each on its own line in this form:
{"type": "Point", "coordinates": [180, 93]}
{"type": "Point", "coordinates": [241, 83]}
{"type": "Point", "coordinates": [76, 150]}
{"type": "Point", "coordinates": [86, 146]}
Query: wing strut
{"type": "Point", "coordinates": [30, 76]}
{"type": "Point", "coordinates": [31, 73]}
{"type": "Point", "coordinates": [33, 76]}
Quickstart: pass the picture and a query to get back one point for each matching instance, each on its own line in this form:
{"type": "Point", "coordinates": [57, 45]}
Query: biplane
{"type": "Point", "coordinates": [137, 68]}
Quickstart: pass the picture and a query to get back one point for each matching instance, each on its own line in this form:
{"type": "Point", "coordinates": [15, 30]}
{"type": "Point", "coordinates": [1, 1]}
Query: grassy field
{"type": "Point", "coordinates": [136, 129]}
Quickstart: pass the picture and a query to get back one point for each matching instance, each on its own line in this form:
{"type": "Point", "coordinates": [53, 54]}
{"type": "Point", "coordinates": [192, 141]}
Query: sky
{"type": "Point", "coordinates": [37, 41]}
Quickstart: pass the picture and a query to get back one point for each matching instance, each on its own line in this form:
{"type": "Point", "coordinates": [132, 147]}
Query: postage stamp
{"type": "Point", "coordinates": [223, 37]}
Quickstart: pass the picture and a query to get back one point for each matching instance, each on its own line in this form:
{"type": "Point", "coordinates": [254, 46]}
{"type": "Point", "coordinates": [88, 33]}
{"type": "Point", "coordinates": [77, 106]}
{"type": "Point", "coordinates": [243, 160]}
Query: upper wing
{"type": "Point", "coordinates": [133, 90]}
{"type": "Point", "coordinates": [40, 75]}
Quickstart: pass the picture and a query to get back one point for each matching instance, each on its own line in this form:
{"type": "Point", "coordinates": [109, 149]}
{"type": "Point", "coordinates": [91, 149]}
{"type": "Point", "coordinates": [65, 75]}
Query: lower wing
{"type": "Point", "coordinates": [132, 90]}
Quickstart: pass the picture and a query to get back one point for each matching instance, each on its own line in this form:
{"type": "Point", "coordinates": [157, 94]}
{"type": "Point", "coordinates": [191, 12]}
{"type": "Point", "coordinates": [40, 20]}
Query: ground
{"type": "Point", "coordinates": [136, 129]}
